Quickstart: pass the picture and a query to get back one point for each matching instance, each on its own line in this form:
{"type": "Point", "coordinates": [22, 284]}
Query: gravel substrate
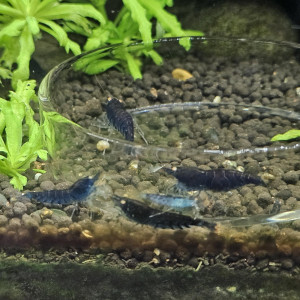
{"type": "Point", "coordinates": [101, 225]}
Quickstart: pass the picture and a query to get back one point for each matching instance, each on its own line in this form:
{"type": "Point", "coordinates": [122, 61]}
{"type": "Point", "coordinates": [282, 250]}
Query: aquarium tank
{"type": "Point", "coordinates": [149, 149]}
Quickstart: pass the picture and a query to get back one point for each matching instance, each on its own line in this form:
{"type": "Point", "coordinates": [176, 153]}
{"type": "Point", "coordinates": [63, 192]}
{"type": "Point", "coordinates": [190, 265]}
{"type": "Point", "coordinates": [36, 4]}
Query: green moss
{"type": "Point", "coordinates": [99, 281]}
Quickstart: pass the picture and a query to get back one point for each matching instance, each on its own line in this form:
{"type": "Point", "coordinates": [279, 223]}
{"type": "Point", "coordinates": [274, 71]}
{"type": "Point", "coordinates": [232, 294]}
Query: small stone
{"type": "Point", "coordinates": [231, 289]}
{"type": "Point", "coordinates": [217, 99]}
{"type": "Point", "coordinates": [62, 221]}
{"type": "Point", "coordinates": [155, 261]}
{"type": "Point", "coordinates": [132, 263]}
{"type": "Point", "coordinates": [14, 224]}
{"type": "Point", "coordinates": [93, 107]}
{"type": "Point", "coordinates": [291, 177]}
{"type": "Point", "coordinates": [3, 220]}
{"type": "Point", "coordinates": [8, 211]}
{"type": "Point", "coordinates": [267, 176]}
{"type": "Point", "coordinates": [262, 264]}
{"type": "Point", "coordinates": [48, 222]}
{"type": "Point", "coordinates": [88, 87]}
{"type": "Point", "coordinates": [5, 184]}
{"type": "Point", "coordinates": [30, 222]}
{"type": "Point", "coordinates": [102, 146]}
{"type": "Point", "coordinates": [47, 185]}
{"type": "Point", "coordinates": [133, 165]}
{"type": "Point", "coordinates": [260, 141]}
{"type": "Point", "coordinates": [87, 234]}
{"type": "Point", "coordinates": [3, 201]}
{"type": "Point", "coordinates": [126, 254]}
{"type": "Point", "coordinates": [19, 209]}
{"type": "Point", "coordinates": [193, 262]}
{"type": "Point", "coordinates": [148, 255]}
{"type": "Point", "coordinates": [36, 216]}
{"type": "Point", "coordinates": [229, 163]}
{"type": "Point", "coordinates": [36, 177]}
{"type": "Point", "coordinates": [284, 194]}
{"type": "Point", "coordinates": [264, 199]}
{"type": "Point", "coordinates": [287, 263]}
{"type": "Point", "coordinates": [156, 251]}
{"type": "Point", "coordinates": [46, 213]}
{"type": "Point", "coordinates": [10, 192]}
{"type": "Point", "coordinates": [181, 74]}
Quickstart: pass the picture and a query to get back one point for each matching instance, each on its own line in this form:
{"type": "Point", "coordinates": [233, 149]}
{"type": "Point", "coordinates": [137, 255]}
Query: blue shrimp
{"type": "Point", "coordinates": [173, 202]}
{"type": "Point", "coordinates": [78, 192]}
{"type": "Point", "coordinates": [120, 118]}
{"type": "Point", "coordinates": [218, 179]}
{"type": "Point", "coordinates": [144, 214]}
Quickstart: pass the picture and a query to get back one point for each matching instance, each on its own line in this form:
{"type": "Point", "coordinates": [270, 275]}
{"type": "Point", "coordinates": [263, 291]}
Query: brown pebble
{"type": "Point", "coordinates": [104, 246]}
{"type": "Point", "coordinates": [75, 228]}
{"type": "Point", "coordinates": [3, 220]}
{"type": "Point", "coordinates": [148, 255]}
{"type": "Point", "coordinates": [182, 253]}
{"type": "Point", "coordinates": [287, 263]}
{"type": "Point", "coordinates": [181, 74]}
{"type": "Point", "coordinates": [19, 209]}
{"type": "Point", "coordinates": [126, 254]}
{"type": "Point", "coordinates": [14, 224]}
{"type": "Point", "coordinates": [48, 230]}
{"type": "Point", "coordinates": [164, 256]}
{"type": "Point", "coordinates": [86, 234]}
{"type": "Point", "coordinates": [262, 264]}
{"type": "Point", "coordinates": [23, 235]}
{"type": "Point", "coordinates": [30, 222]}
{"type": "Point", "coordinates": [63, 231]}
{"type": "Point", "coordinates": [131, 263]}
{"type": "Point", "coordinates": [117, 245]}
{"type": "Point", "coordinates": [193, 262]}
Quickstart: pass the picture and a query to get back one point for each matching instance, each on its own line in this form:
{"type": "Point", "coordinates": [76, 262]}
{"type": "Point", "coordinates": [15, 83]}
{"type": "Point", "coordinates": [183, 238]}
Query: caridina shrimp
{"type": "Point", "coordinates": [218, 179]}
{"type": "Point", "coordinates": [173, 202]}
{"type": "Point", "coordinates": [144, 214]}
{"type": "Point", "coordinates": [78, 192]}
{"type": "Point", "coordinates": [120, 118]}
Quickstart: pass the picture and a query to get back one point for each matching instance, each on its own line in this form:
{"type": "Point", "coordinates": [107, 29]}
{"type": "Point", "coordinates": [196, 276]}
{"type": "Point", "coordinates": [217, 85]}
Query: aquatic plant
{"type": "Point", "coordinates": [289, 135]}
{"type": "Point", "coordinates": [22, 138]}
{"type": "Point", "coordinates": [133, 22]}
{"type": "Point", "coordinates": [23, 21]}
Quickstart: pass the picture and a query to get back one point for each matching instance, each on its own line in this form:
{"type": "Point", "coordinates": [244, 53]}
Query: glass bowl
{"type": "Point", "coordinates": [214, 107]}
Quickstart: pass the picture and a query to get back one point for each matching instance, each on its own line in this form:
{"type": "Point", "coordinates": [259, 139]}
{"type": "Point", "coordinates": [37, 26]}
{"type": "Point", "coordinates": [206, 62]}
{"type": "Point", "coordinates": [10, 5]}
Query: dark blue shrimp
{"type": "Point", "coordinates": [218, 179]}
{"type": "Point", "coordinates": [174, 202]}
{"type": "Point", "coordinates": [144, 214]}
{"type": "Point", "coordinates": [78, 192]}
{"type": "Point", "coordinates": [120, 118]}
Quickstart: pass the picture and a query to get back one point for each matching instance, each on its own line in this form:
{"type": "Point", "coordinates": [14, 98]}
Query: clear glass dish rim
{"type": "Point", "coordinates": [45, 99]}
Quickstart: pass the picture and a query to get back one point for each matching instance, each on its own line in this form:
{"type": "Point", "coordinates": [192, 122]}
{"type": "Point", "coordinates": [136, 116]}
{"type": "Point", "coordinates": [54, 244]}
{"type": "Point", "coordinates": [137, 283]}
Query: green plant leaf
{"type": "Point", "coordinates": [66, 11]}
{"type": "Point", "coordinates": [61, 36]}
{"type": "Point", "coordinates": [133, 65]}
{"type": "Point", "coordinates": [18, 181]}
{"type": "Point", "coordinates": [33, 25]}
{"type": "Point", "coordinates": [154, 55]}
{"type": "Point", "coordinates": [5, 73]}
{"type": "Point", "coordinates": [10, 11]}
{"type": "Point", "coordinates": [26, 50]}
{"type": "Point", "coordinates": [100, 66]}
{"type": "Point", "coordinates": [42, 154]}
{"type": "Point", "coordinates": [138, 14]}
{"type": "Point", "coordinates": [289, 135]}
{"type": "Point", "coordinates": [12, 29]}
{"type": "Point", "coordinates": [22, 142]}
{"type": "Point", "coordinates": [49, 120]}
